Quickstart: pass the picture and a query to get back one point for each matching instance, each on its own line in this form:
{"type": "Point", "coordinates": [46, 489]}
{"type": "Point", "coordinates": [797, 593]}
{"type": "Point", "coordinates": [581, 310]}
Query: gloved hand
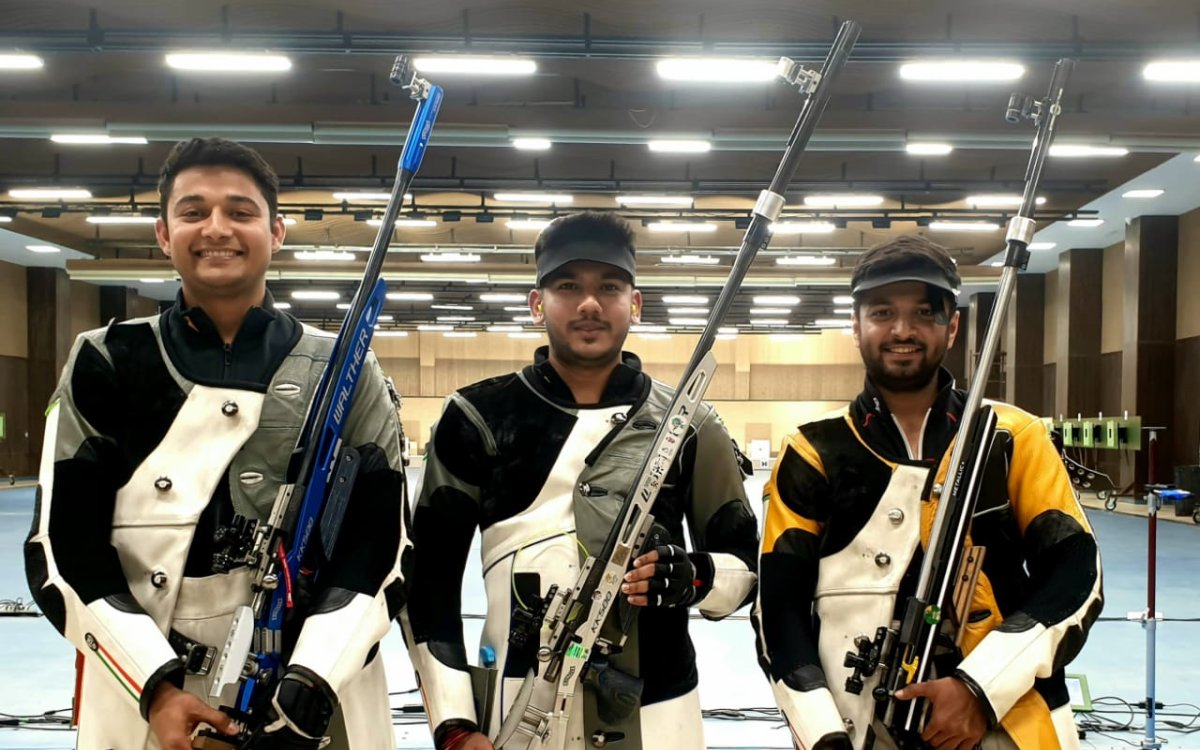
{"type": "Point", "coordinates": [299, 713]}
{"type": "Point", "coordinates": [663, 577]}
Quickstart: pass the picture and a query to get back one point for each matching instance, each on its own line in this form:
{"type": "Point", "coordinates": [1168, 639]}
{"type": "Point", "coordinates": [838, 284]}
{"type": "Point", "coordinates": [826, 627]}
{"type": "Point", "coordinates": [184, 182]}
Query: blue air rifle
{"type": "Point", "coordinates": [949, 570]}
{"type": "Point", "coordinates": [322, 470]}
{"type": "Point", "coordinates": [575, 616]}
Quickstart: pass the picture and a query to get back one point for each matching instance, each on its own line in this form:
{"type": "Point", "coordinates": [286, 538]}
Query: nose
{"type": "Point", "coordinates": [902, 327]}
{"type": "Point", "coordinates": [589, 304]}
{"type": "Point", "coordinates": [217, 225]}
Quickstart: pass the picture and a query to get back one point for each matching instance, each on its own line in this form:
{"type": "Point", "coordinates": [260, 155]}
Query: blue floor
{"type": "Point", "coordinates": [37, 672]}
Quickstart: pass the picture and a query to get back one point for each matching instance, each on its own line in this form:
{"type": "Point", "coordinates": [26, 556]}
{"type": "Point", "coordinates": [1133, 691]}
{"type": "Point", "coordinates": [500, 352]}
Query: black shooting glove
{"type": "Point", "coordinates": [674, 581]}
{"type": "Point", "coordinates": [299, 713]}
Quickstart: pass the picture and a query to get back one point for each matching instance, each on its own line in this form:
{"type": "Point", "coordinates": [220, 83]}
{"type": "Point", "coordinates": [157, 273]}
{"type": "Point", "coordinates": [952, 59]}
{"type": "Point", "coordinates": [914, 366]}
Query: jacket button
{"type": "Point", "coordinates": [896, 516]}
{"type": "Point", "coordinates": [883, 559]}
{"type": "Point", "coordinates": [619, 418]}
{"type": "Point", "coordinates": [158, 579]}
{"type": "Point", "coordinates": [229, 408]}
{"type": "Point", "coordinates": [585, 488]}
{"type": "Point", "coordinates": [162, 484]}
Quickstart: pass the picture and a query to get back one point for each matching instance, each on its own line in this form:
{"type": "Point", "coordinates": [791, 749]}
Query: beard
{"type": "Point", "coordinates": [568, 353]}
{"type": "Point", "coordinates": [903, 378]}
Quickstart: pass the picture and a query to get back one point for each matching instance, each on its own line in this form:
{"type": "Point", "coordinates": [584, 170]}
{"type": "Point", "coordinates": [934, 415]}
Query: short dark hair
{"type": "Point", "coordinates": [905, 250]}
{"type": "Point", "coordinates": [592, 226]}
{"type": "Point", "coordinates": [217, 152]}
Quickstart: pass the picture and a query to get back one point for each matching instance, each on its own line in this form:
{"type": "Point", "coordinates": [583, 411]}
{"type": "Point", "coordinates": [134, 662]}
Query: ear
{"type": "Point", "coordinates": [855, 327]}
{"type": "Point", "coordinates": [953, 332]}
{"type": "Point", "coordinates": [163, 235]}
{"type": "Point", "coordinates": [537, 306]}
{"type": "Point", "coordinates": [636, 307]}
{"type": "Point", "coordinates": [278, 231]}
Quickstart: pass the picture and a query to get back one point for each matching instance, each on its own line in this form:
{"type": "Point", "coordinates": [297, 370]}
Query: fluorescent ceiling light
{"type": "Point", "coordinates": [843, 299]}
{"type": "Point", "coordinates": [672, 201]}
{"type": "Point", "coordinates": [409, 296]}
{"type": "Point", "coordinates": [497, 65]}
{"type": "Point", "coordinates": [97, 139]}
{"type": "Point", "coordinates": [516, 308]}
{"type": "Point", "coordinates": [456, 318]}
{"type": "Point", "coordinates": [528, 224]}
{"type": "Point", "coordinates": [1142, 193]}
{"type": "Point", "coordinates": [643, 328]}
{"type": "Point", "coordinates": [525, 335]}
{"type": "Point", "coordinates": [806, 260]}
{"type": "Point", "coordinates": [833, 323]}
{"type": "Point", "coordinates": [410, 223]}
{"type": "Point", "coordinates": [687, 311]}
{"type": "Point", "coordinates": [769, 322]}
{"type": "Point", "coordinates": [976, 71]}
{"type": "Point", "coordinates": [283, 305]}
{"type": "Point", "coordinates": [352, 197]}
{"type": "Point", "coordinates": [692, 260]}
{"type": "Point", "coordinates": [963, 226]}
{"type": "Point", "coordinates": [432, 327]}
{"type": "Point", "coordinates": [776, 299]}
{"type": "Point", "coordinates": [450, 258]}
{"type": "Point", "coordinates": [502, 297]}
{"type": "Point", "coordinates": [228, 62]}
{"type": "Point", "coordinates": [386, 318]}
{"type": "Point", "coordinates": [727, 329]}
{"type": "Point", "coordinates": [14, 61]}
{"type": "Point", "coordinates": [6, 219]}
{"type": "Point", "coordinates": [684, 299]}
{"type": "Point", "coordinates": [1042, 245]}
{"type": "Point", "coordinates": [1085, 222]}
{"type": "Point", "coordinates": [1172, 71]}
{"type": "Point", "coordinates": [289, 221]}
{"type": "Point", "coordinates": [843, 311]}
{"type": "Point", "coordinates": [522, 318]}
{"type": "Point", "coordinates": [459, 308]}
{"type": "Point", "coordinates": [928, 149]}
{"type": "Point", "coordinates": [504, 329]}
{"type": "Point", "coordinates": [716, 70]}
{"type": "Point", "coordinates": [43, 249]}
{"type": "Point", "coordinates": [770, 311]}
{"type": "Point", "coordinates": [842, 201]}
{"type": "Point", "coordinates": [315, 294]}
{"type": "Point", "coordinates": [1077, 149]}
{"type": "Point", "coordinates": [996, 263]}
{"type": "Point", "coordinates": [50, 193]}
{"type": "Point", "coordinates": [121, 219]}
{"type": "Point", "coordinates": [726, 336]}
{"type": "Point", "coordinates": [533, 197]}
{"type": "Point", "coordinates": [392, 334]}
{"type": "Point", "coordinates": [531, 144]}
{"type": "Point", "coordinates": [687, 321]}
{"type": "Point", "coordinates": [681, 226]}
{"type": "Point", "coordinates": [679, 146]}
{"type": "Point", "coordinates": [999, 200]}
{"type": "Point", "coordinates": [315, 255]}
{"type": "Point", "coordinates": [802, 227]}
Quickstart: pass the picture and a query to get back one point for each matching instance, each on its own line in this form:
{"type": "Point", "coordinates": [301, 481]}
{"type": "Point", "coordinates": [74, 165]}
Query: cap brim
{"type": "Point", "coordinates": [924, 275]}
{"type": "Point", "coordinates": [555, 259]}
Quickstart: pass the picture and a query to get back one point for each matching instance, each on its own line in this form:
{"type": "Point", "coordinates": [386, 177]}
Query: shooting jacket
{"type": "Point", "coordinates": [847, 519]}
{"type": "Point", "coordinates": [543, 479]}
{"type": "Point", "coordinates": [157, 434]}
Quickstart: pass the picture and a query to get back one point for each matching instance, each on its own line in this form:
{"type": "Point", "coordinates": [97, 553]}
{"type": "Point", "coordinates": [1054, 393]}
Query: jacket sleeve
{"type": "Point", "coordinates": [724, 530]}
{"type": "Point", "coordinates": [362, 587]}
{"type": "Point", "coordinates": [72, 568]}
{"type": "Point", "coordinates": [1063, 561]}
{"type": "Point", "coordinates": [446, 515]}
{"type": "Point", "coordinates": [795, 499]}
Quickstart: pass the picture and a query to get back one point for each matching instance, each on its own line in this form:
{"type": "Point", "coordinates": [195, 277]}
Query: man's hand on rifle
{"type": "Point", "coordinates": [175, 714]}
{"type": "Point", "coordinates": [663, 577]}
{"type": "Point", "coordinates": [957, 721]}
{"type": "Point", "coordinates": [299, 713]}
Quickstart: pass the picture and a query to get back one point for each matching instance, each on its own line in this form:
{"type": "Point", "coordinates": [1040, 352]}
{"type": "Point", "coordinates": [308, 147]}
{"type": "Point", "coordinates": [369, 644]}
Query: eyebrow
{"type": "Point", "coordinates": [234, 198]}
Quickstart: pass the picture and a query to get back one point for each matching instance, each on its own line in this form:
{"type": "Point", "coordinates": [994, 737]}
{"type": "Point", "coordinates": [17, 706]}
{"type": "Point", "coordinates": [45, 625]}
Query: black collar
{"type": "Point", "coordinates": [873, 421]}
{"type": "Point", "coordinates": [197, 350]}
{"type": "Point", "coordinates": [627, 384]}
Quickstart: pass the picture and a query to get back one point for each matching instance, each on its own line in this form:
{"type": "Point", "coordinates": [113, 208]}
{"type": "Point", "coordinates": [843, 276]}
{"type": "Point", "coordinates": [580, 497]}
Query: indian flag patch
{"type": "Point", "coordinates": [114, 668]}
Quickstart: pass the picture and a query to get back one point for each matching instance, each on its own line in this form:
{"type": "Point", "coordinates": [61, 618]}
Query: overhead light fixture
{"type": "Point", "coordinates": [385, 317]}
{"type": "Point", "coordinates": [318, 255]}
{"type": "Point", "coordinates": [525, 335]}
{"type": "Point", "coordinates": [999, 200]}
{"type": "Point", "coordinates": [5, 219]}
{"type": "Point", "coordinates": [392, 334]}
{"type": "Point", "coordinates": [687, 311]}
{"type": "Point", "coordinates": [928, 149]}
{"type": "Point", "coordinates": [50, 193]}
{"type": "Point", "coordinates": [1078, 150]}
{"type": "Point", "coordinates": [962, 71]}
{"type": "Point", "coordinates": [716, 70]}
{"type": "Point", "coordinates": [228, 62]}
{"type": "Point", "coordinates": [17, 61]}
{"type": "Point", "coordinates": [1042, 245]}
{"type": "Point", "coordinates": [682, 226]}
{"type": "Point", "coordinates": [790, 300]}
{"type": "Point", "coordinates": [407, 223]}
{"type": "Point", "coordinates": [996, 263]}
{"type": "Point", "coordinates": [450, 258]}
{"type": "Point", "coordinates": [665, 201]}
{"type": "Point", "coordinates": [692, 260]}
{"type": "Point", "coordinates": [679, 146]}
{"type": "Point", "coordinates": [456, 318]}
{"type": "Point", "coordinates": [283, 305]}
{"type": "Point", "coordinates": [1085, 223]}
{"type": "Point", "coordinates": [531, 144]}
{"type": "Point", "coordinates": [1143, 193]}
{"type": "Point", "coordinates": [118, 219]}
{"type": "Point", "coordinates": [833, 323]}
{"type": "Point", "coordinates": [806, 260]}
{"type": "Point", "coordinates": [1172, 71]}
{"type": "Point", "coordinates": [644, 328]}
{"type": "Point", "coordinates": [963, 226]}
{"type": "Point", "coordinates": [495, 65]}
{"type": "Point", "coordinates": [843, 299]}
{"type": "Point", "coordinates": [843, 311]}
{"type": "Point", "coordinates": [516, 308]}
{"type": "Point", "coordinates": [687, 321]}
{"type": "Point", "coordinates": [842, 201]}
{"type": "Point", "coordinates": [43, 249]}
{"type": "Point", "coordinates": [432, 327]}
{"type": "Point", "coordinates": [769, 322]}
{"type": "Point", "coordinates": [770, 311]}
{"type": "Point", "coordinates": [533, 225]}
{"type": "Point", "coordinates": [459, 308]}
{"type": "Point", "coordinates": [550, 198]}
{"type": "Point", "coordinates": [289, 221]}
{"type": "Point", "coordinates": [684, 299]}
{"type": "Point", "coordinates": [504, 329]}
{"type": "Point", "coordinates": [802, 227]}
{"type": "Point", "coordinates": [727, 329]}
{"type": "Point", "coordinates": [521, 318]}
{"type": "Point", "coordinates": [316, 295]}
{"type": "Point", "coordinates": [98, 139]}
{"type": "Point", "coordinates": [502, 297]}
{"type": "Point", "coordinates": [366, 197]}
{"type": "Point", "coordinates": [409, 296]}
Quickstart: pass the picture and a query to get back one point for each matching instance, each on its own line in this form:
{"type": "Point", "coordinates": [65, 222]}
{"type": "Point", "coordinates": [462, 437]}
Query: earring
{"type": "Point", "coordinates": [539, 307]}
{"type": "Point", "coordinates": [634, 307]}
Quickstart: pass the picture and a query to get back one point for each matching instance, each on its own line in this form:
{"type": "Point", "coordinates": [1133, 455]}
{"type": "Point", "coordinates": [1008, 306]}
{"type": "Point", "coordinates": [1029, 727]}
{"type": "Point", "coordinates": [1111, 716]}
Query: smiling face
{"type": "Point", "coordinates": [587, 308]}
{"type": "Point", "coordinates": [903, 335]}
{"type": "Point", "coordinates": [219, 234]}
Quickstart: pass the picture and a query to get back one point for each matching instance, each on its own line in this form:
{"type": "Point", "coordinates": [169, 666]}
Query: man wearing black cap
{"type": "Point", "coordinates": [847, 517]}
{"type": "Point", "coordinates": [540, 461]}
